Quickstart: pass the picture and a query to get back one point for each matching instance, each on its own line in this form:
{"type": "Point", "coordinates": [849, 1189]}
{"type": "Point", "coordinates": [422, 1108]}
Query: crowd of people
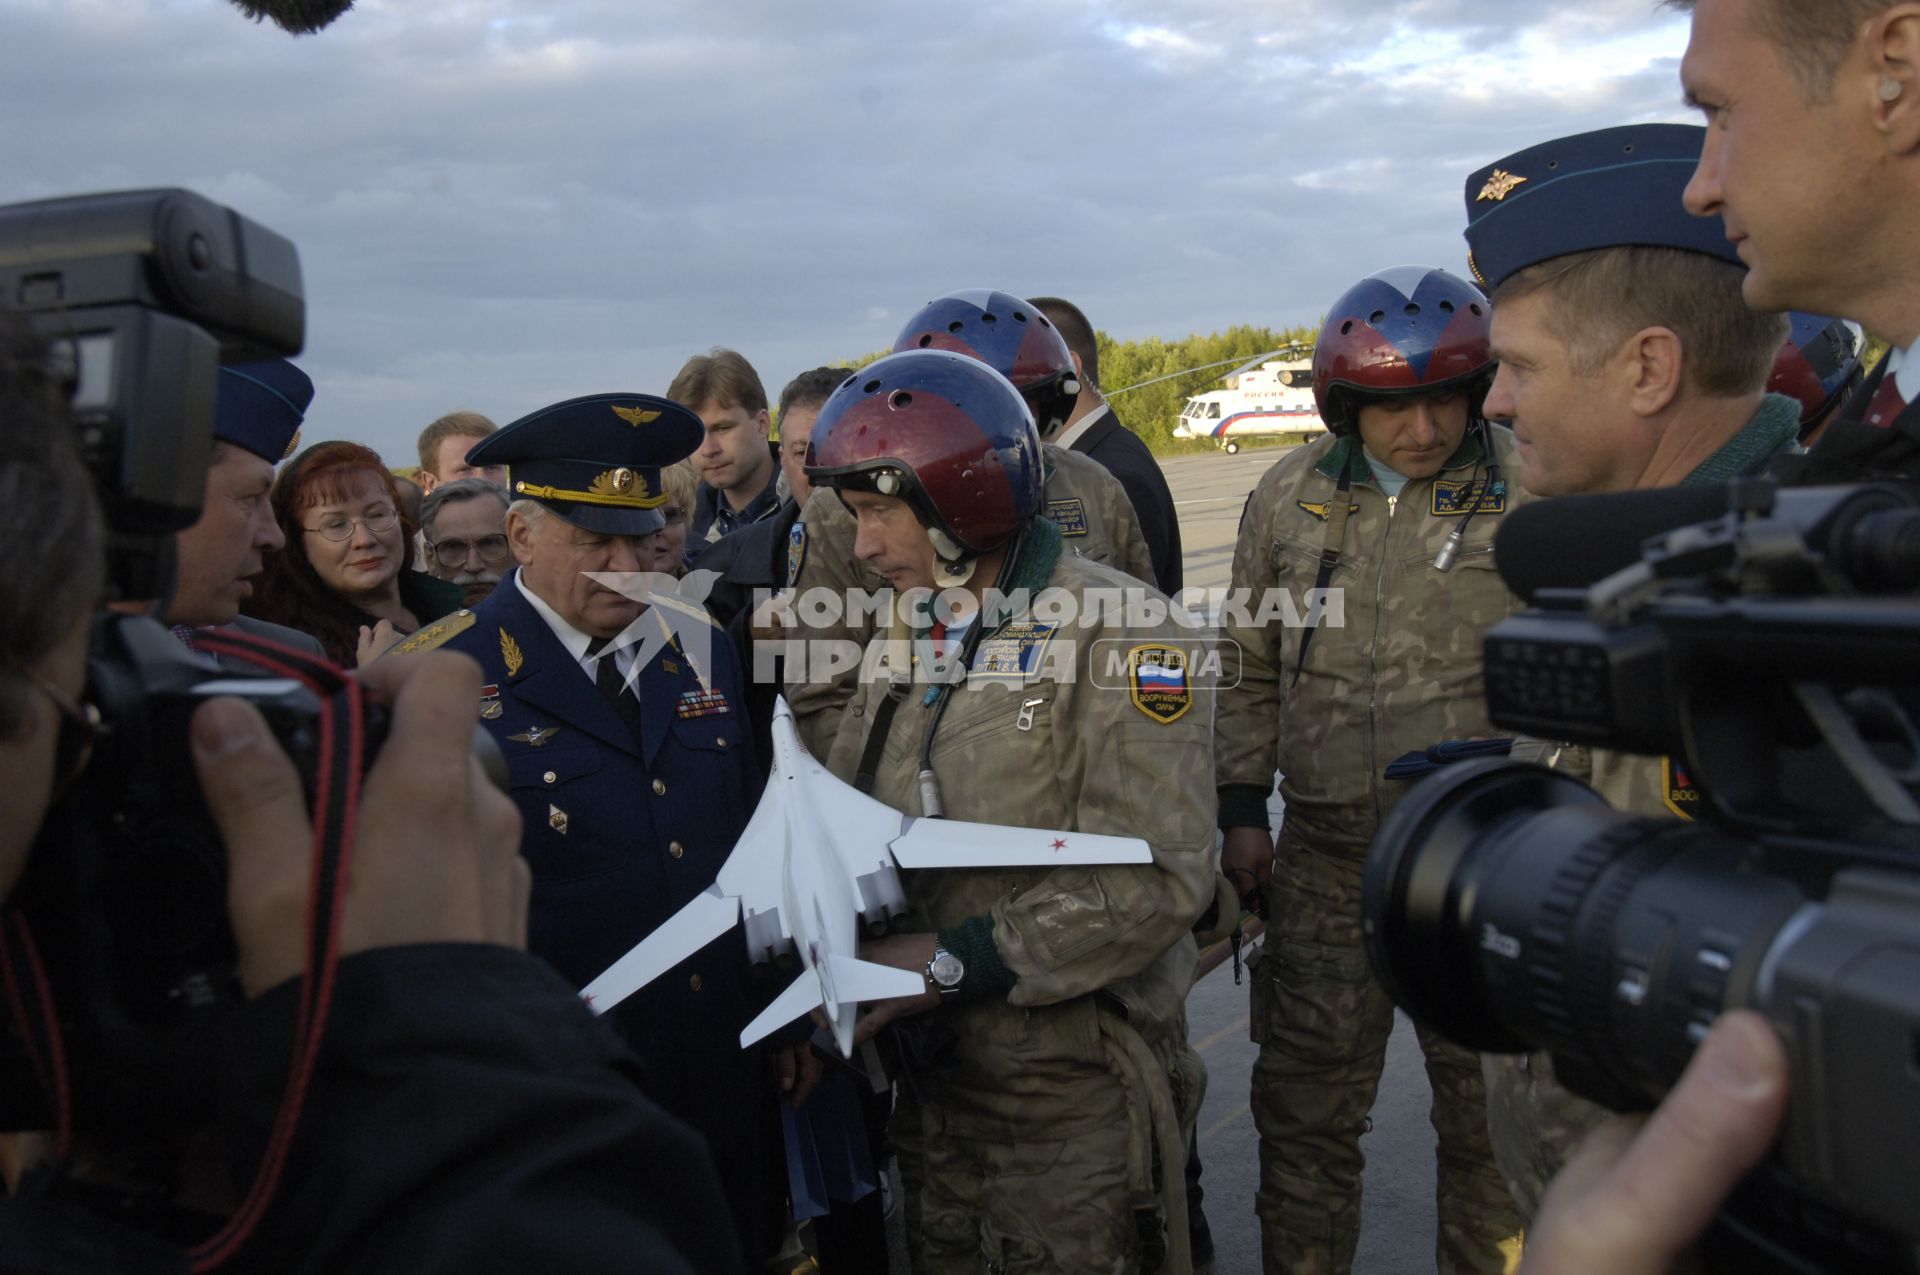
{"type": "Point", "coordinates": [612, 568]}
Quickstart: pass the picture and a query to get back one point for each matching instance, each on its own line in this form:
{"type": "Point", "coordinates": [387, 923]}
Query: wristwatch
{"type": "Point", "coordinates": [945, 971]}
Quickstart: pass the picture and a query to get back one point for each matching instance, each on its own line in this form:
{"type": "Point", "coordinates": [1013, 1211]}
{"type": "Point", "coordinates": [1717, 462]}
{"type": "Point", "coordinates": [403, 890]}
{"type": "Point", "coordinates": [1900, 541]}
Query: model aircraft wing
{"type": "Point", "coordinates": [853, 981]}
{"type": "Point", "coordinates": [711, 914]}
{"type": "Point", "coordinates": [948, 843]}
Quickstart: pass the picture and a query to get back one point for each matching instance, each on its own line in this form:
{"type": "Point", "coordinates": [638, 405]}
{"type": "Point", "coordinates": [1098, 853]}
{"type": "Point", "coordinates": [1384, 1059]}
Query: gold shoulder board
{"type": "Point", "coordinates": [439, 633]}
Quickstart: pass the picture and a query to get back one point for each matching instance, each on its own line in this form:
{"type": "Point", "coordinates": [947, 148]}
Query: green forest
{"type": "Point", "coordinates": [1148, 381]}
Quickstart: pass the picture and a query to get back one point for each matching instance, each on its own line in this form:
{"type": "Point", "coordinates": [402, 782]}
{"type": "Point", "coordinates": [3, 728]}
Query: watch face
{"type": "Point", "coordinates": [946, 969]}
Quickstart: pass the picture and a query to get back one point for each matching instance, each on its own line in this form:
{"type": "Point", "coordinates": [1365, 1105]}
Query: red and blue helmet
{"type": "Point", "coordinates": [1408, 330]}
{"type": "Point", "coordinates": [1818, 365]}
{"type": "Point", "coordinates": [944, 432]}
{"type": "Point", "coordinates": [1010, 336]}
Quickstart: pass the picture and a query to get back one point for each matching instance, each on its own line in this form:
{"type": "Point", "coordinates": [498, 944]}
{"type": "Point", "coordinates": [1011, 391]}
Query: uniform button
{"type": "Point", "coordinates": [659, 787]}
{"type": "Point", "coordinates": [551, 778]}
{"type": "Point", "coordinates": [721, 742]}
{"type": "Point", "coordinates": [675, 849]}
{"type": "Point", "coordinates": [694, 982]}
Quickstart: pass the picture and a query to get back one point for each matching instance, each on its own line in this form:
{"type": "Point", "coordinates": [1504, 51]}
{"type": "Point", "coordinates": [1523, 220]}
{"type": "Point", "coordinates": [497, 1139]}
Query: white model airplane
{"type": "Point", "coordinates": [815, 862]}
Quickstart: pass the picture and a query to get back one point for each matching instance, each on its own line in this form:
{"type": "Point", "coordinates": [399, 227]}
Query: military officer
{"type": "Point", "coordinates": [1084, 501]}
{"type": "Point", "coordinates": [628, 754]}
{"type": "Point", "coordinates": [1630, 360]}
{"type": "Point", "coordinates": [1396, 508]}
{"type": "Point", "coordinates": [1029, 1143]}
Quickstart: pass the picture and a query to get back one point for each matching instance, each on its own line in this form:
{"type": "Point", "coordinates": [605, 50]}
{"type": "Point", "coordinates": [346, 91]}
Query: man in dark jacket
{"type": "Point", "coordinates": [1092, 428]}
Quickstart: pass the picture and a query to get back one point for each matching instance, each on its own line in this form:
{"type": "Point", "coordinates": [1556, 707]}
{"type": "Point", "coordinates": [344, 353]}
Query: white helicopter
{"type": "Point", "coordinates": [816, 862]}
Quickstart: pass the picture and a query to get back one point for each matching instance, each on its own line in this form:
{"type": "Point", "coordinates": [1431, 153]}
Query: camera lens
{"type": "Point", "coordinates": [1510, 908]}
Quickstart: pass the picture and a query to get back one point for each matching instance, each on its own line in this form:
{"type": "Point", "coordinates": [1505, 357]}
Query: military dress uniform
{"type": "Point", "coordinates": [1084, 502]}
{"type": "Point", "coordinates": [1403, 673]}
{"type": "Point", "coordinates": [630, 809]}
{"type": "Point", "coordinates": [1031, 1145]}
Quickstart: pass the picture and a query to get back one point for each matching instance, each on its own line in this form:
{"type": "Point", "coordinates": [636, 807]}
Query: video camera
{"type": "Point", "coordinates": [1767, 640]}
{"type": "Point", "coordinates": [140, 296]}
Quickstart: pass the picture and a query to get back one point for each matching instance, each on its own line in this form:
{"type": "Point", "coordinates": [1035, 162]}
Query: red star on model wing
{"type": "Point", "coordinates": [1059, 843]}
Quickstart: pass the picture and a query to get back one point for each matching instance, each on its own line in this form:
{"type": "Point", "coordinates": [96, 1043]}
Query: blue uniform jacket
{"type": "Point", "coordinates": [620, 834]}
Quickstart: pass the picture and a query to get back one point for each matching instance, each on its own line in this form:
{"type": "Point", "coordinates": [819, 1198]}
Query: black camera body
{"type": "Point", "coordinates": [1772, 650]}
{"type": "Point", "coordinates": [126, 888]}
{"type": "Point", "coordinates": [140, 296]}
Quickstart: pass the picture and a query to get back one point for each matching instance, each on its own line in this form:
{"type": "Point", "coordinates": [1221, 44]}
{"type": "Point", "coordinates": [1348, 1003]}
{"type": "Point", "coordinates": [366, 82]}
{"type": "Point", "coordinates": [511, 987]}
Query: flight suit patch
{"type": "Point", "coordinates": [1677, 791]}
{"type": "Point", "coordinates": [1069, 515]}
{"type": "Point", "coordinates": [1157, 682]}
{"type": "Point", "coordinates": [796, 552]}
{"type": "Point", "coordinates": [701, 704]}
{"type": "Point", "coordinates": [1458, 497]}
{"type": "Point", "coordinates": [1320, 509]}
{"type": "Point", "coordinates": [1013, 652]}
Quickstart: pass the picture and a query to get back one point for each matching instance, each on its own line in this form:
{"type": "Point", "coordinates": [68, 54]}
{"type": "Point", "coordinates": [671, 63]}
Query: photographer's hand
{"type": "Point", "coordinates": [1642, 1189]}
{"type": "Point", "coordinates": [436, 852]}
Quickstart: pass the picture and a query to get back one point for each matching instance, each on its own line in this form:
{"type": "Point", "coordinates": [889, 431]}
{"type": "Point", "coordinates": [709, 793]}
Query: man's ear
{"type": "Point", "coordinates": [1655, 363]}
{"type": "Point", "coordinates": [1079, 369]}
{"type": "Point", "coordinates": [764, 419]}
{"type": "Point", "coordinates": [1893, 57]}
{"type": "Point", "coordinates": [520, 531]}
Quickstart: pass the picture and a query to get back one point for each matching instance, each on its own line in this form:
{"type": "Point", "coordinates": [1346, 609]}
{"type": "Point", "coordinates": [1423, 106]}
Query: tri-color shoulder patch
{"type": "Point", "coordinates": [1069, 515]}
{"type": "Point", "coordinates": [796, 552]}
{"type": "Point", "coordinates": [439, 633]}
{"type": "Point", "coordinates": [1458, 497]}
{"type": "Point", "coordinates": [1157, 681]}
{"type": "Point", "coordinates": [1677, 791]}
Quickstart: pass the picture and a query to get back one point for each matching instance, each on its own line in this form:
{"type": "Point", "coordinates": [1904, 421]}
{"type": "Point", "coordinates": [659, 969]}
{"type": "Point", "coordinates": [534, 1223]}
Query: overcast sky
{"type": "Point", "coordinates": [503, 203]}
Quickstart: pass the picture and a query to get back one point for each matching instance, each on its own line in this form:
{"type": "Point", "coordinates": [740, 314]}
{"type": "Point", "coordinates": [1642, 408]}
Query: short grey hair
{"type": "Point", "coordinates": [457, 492]}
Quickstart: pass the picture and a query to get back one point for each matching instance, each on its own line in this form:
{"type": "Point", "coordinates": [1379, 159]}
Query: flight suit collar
{"type": "Point", "coordinates": [1469, 453]}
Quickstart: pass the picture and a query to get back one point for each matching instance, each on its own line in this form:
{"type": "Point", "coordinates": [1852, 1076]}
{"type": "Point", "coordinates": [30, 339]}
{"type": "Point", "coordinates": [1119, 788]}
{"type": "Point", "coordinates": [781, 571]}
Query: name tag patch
{"type": "Point", "coordinates": [1458, 497]}
{"type": "Point", "coordinates": [1068, 515]}
{"type": "Point", "coordinates": [1014, 652]}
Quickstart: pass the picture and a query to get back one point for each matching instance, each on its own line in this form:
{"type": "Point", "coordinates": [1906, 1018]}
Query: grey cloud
{"type": "Point", "coordinates": [498, 207]}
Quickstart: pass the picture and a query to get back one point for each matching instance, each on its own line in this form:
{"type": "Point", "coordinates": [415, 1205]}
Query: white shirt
{"type": "Point", "coordinates": [1066, 437]}
{"type": "Point", "coordinates": [577, 642]}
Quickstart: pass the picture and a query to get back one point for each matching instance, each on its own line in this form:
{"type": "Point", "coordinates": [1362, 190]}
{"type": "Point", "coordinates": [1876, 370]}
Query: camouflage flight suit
{"type": "Point", "coordinates": [1032, 1145]}
{"type": "Point", "coordinates": [1535, 1124]}
{"type": "Point", "coordinates": [1086, 502]}
{"type": "Point", "coordinates": [1404, 673]}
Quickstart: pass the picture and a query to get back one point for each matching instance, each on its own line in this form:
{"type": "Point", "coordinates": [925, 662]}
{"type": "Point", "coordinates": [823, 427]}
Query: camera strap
{"type": "Point", "coordinates": [343, 755]}
{"type": "Point", "coordinates": [1336, 535]}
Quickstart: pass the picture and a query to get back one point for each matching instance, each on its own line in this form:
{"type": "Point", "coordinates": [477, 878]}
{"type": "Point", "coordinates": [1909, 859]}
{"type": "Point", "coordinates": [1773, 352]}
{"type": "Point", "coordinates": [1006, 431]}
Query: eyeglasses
{"type": "Point", "coordinates": [339, 526]}
{"type": "Point", "coordinates": [80, 730]}
{"type": "Point", "coordinates": [452, 553]}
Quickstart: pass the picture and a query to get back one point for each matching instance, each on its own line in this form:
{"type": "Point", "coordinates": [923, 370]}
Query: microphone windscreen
{"type": "Point", "coordinates": [299, 17]}
{"type": "Point", "coordinates": [1573, 542]}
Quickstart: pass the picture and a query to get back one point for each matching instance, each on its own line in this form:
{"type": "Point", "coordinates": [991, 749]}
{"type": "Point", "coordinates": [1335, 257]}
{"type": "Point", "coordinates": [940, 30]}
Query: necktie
{"type": "Point", "coordinates": [606, 675]}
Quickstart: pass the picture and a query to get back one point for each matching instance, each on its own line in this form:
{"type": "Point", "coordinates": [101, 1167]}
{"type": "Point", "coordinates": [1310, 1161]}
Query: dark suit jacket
{"type": "Point", "coordinates": [305, 643]}
{"type": "Point", "coordinates": [1127, 458]}
{"type": "Point", "coordinates": [620, 833]}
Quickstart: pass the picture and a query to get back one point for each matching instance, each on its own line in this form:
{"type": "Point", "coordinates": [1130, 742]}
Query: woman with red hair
{"type": "Point", "coordinates": [346, 575]}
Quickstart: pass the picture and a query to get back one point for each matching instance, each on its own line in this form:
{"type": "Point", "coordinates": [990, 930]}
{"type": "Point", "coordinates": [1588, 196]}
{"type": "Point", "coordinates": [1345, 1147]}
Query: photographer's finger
{"type": "Point", "coordinates": [433, 701]}
{"type": "Point", "coordinates": [254, 794]}
{"type": "Point", "coordinates": [1712, 1129]}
